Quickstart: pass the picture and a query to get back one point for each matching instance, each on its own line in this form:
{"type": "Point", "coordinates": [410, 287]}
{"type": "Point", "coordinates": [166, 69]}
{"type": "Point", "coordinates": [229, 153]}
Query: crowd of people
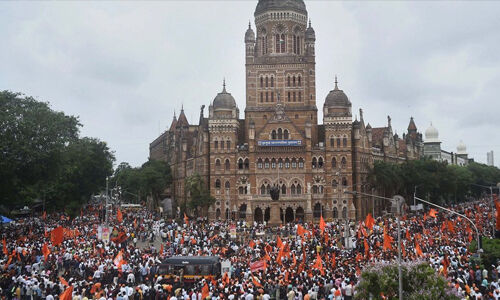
{"type": "Point", "coordinates": [301, 260]}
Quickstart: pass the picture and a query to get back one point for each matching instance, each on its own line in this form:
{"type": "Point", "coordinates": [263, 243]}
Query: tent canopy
{"type": "Point", "coordinates": [5, 219]}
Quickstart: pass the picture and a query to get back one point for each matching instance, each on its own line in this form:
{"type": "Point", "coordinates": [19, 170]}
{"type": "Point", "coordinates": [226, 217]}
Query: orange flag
{"type": "Point", "coordinates": [432, 213]}
{"type": "Point", "coordinates": [135, 223]}
{"type": "Point", "coordinates": [119, 216]}
{"type": "Point", "coordinates": [251, 244]}
{"type": "Point", "coordinates": [367, 248]}
{"type": "Point", "coordinates": [45, 251]}
{"type": "Point", "coordinates": [193, 241]}
{"type": "Point", "coordinates": [408, 236]}
{"type": "Point", "coordinates": [279, 243]}
{"type": "Point", "coordinates": [334, 262]}
{"type": "Point", "coordinates": [161, 250]}
{"type": "Point", "coordinates": [205, 291]}
{"type": "Point", "coordinates": [57, 235]}
{"type": "Point", "coordinates": [318, 264]}
{"type": "Point", "coordinates": [403, 251]}
{"type": "Point", "coordinates": [5, 251]}
{"type": "Point", "coordinates": [369, 221]}
{"type": "Point", "coordinates": [186, 220]}
{"type": "Point", "coordinates": [418, 250]}
{"type": "Point", "coordinates": [44, 216]}
{"type": "Point", "coordinates": [387, 240]}
{"type": "Point", "coordinates": [118, 259]}
{"type": "Point", "coordinates": [322, 225]}
{"type": "Point", "coordinates": [256, 282]}
{"type": "Point", "coordinates": [300, 230]}
{"type": "Point", "coordinates": [63, 281]}
{"type": "Point", "coordinates": [67, 294]}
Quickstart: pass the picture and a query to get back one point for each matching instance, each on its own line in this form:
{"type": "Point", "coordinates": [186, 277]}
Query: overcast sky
{"type": "Point", "coordinates": [124, 67]}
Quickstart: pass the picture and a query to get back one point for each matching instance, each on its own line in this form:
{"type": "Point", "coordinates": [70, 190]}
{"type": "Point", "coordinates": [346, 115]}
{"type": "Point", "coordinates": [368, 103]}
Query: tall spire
{"type": "Point", "coordinates": [336, 86]}
{"type": "Point", "coordinates": [224, 85]}
{"type": "Point", "coordinates": [249, 25]}
{"type": "Point", "coordinates": [175, 118]}
{"type": "Point", "coordinates": [309, 22]}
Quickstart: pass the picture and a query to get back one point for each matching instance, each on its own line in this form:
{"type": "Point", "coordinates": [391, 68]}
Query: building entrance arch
{"type": "Point", "coordinates": [289, 215]}
{"type": "Point", "coordinates": [258, 216]}
{"type": "Point", "coordinates": [267, 214]}
{"type": "Point", "coordinates": [243, 211]}
{"type": "Point", "coordinates": [299, 214]}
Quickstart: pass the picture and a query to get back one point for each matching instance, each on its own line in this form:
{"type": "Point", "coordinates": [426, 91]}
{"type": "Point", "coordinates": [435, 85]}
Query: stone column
{"type": "Point", "coordinates": [249, 214]}
{"type": "Point", "coordinates": [275, 219]}
{"type": "Point", "coordinates": [308, 213]}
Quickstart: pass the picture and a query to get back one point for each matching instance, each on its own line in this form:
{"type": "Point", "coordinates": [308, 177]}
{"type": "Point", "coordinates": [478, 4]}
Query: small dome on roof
{"type": "Point", "coordinates": [337, 97]}
{"type": "Point", "coordinates": [431, 134]}
{"type": "Point", "coordinates": [310, 34]}
{"type": "Point", "coordinates": [224, 100]}
{"type": "Point", "coordinates": [461, 148]}
{"type": "Point", "coordinates": [249, 35]}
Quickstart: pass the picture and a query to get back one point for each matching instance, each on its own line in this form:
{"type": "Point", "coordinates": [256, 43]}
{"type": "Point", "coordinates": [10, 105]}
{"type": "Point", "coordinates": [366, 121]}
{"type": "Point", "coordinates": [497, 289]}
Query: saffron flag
{"type": "Point", "coordinates": [119, 216]}
{"type": "Point", "coordinates": [318, 264]}
{"type": "Point", "coordinates": [258, 265]}
{"type": "Point", "coordinates": [57, 236]}
{"type": "Point", "coordinates": [369, 221]}
{"type": "Point", "coordinates": [67, 294]}
{"type": "Point", "coordinates": [367, 249]}
{"type": "Point", "coordinates": [45, 251]}
{"type": "Point", "coordinates": [63, 281]}
{"type": "Point", "coordinates": [205, 292]}
{"type": "Point", "coordinates": [256, 282]}
{"type": "Point", "coordinates": [5, 251]}
{"type": "Point", "coordinates": [387, 240]}
{"type": "Point", "coordinates": [118, 261]}
{"type": "Point", "coordinates": [497, 205]}
{"type": "Point", "coordinates": [251, 244]}
{"type": "Point", "coordinates": [279, 243]}
{"type": "Point", "coordinates": [186, 220]}
{"type": "Point", "coordinates": [322, 225]}
{"type": "Point", "coordinates": [418, 250]}
{"type": "Point", "coordinates": [300, 230]}
{"type": "Point", "coordinates": [432, 213]}
{"type": "Point", "coordinates": [161, 250]}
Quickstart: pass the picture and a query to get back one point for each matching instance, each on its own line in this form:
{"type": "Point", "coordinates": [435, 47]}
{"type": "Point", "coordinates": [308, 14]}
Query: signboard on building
{"type": "Point", "coordinates": [279, 143]}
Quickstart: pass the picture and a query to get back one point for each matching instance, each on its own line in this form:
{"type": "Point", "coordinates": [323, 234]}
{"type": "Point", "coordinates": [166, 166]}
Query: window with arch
{"type": "Point", "coordinates": [294, 96]}
{"type": "Point", "coordinates": [335, 213]}
{"type": "Point", "coordinates": [344, 181]}
{"type": "Point", "coordinates": [314, 163]}
{"type": "Point", "coordinates": [278, 48]}
{"type": "Point", "coordinates": [228, 145]}
{"type": "Point", "coordinates": [216, 145]}
{"type": "Point", "coordinates": [287, 163]}
{"type": "Point", "coordinates": [300, 96]}
{"type": "Point", "coordinates": [217, 164]}
{"type": "Point", "coordinates": [292, 189]}
{"type": "Point", "coordinates": [288, 81]}
{"type": "Point", "coordinates": [315, 189]}
{"type": "Point", "coordinates": [259, 163]}
{"type": "Point", "coordinates": [280, 134]}
{"type": "Point", "coordinates": [293, 80]}
{"type": "Point", "coordinates": [241, 190]}
{"type": "Point", "coordinates": [266, 163]}
{"type": "Point", "coordinates": [272, 96]}
{"type": "Point", "coordinates": [334, 163]}
{"type": "Point", "coordinates": [273, 134]}
{"type": "Point", "coordinates": [267, 81]}
{"type": "Point", "coordinates": [285, 134]}
{"type": "Point", "coordinates": [240, 164]}
{"type": "Point", "coordinates": [294, 163]}
{"type": "Point", "coordinates": [273, 163]}
{"type": "Point", "coordinates": [332, 142]}
{"type": "Point", "coordinates": [267, 96]}
{"type": "Point", "coordinates": [344, 141]}
{"type": "Point", "coordinates": [338, 142]}
{"type": "Point", "coordinates": [227, 185]}
{"type": "Point", "coordinates": [288, 96]}
{"type": "Point", "coordinates": [344, 162]}
{"type": "Point", "coordinates": [280, 163]}
{"type": "Point", "coordinates": [222, 145]}
{"type": "Point", "coordinates": [344, 212]}
{"type": "Point", "coordinates": [262, 189]}
{"type": "Point", "coordinates": [272, 81]}
{"type": "Point", "coordinates": [299, 81]}
{"type": "Point", "coordinates": [334, 184]}
{"type": "Point", "coordinates": [261, 82]}
{"type": "Point", "coordinates": [283, 189]}
{"type": "Point", "coordinates": [217, 183]}
{"type": "Point", "coordinates": [320, 162]}
{"type": "Point", "coordinates": [283, 43]}
{"type": "Point", "coordinates": [227, 165]}
{"type": "Point", "coordinates": [299, 189]}
{"type": "Point", "coordinates": [247, 163]}
{"type": "Point", "coordinates": [301, 163]}
{"type": "Point", "coordinates": [261, 97]}
{"type": "Point", "coordinates": [268, 189]}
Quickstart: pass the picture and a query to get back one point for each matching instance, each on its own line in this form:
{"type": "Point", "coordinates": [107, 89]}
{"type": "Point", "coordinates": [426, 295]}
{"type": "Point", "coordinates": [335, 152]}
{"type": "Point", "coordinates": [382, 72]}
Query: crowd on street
{"type": "Point", "coordinates": [52, 256]}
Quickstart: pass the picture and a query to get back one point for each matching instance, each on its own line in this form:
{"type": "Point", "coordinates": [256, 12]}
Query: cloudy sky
{"type": "Point", "coordinates": [124, 67]}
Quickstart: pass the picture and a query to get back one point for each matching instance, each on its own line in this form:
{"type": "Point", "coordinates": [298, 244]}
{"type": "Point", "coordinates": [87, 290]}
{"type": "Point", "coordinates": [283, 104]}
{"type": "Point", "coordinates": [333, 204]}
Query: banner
{"type": "Point", "coordinates": [232, 231]}
{"type": "Point", "coordinates": [258, 265]}
{"type": "Point", "coordinates": [270, 143]}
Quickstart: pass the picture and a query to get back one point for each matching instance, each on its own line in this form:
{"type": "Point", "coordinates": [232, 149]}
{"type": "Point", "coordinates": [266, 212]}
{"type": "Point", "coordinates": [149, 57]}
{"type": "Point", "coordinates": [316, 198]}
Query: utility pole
{"type": "Point", "coordinates": [106, 205]}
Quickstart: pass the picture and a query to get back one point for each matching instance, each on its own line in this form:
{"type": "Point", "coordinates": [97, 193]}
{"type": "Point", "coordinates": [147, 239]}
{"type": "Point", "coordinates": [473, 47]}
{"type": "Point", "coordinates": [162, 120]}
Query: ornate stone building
{"type": "Point", "coordinates": [280, 141]}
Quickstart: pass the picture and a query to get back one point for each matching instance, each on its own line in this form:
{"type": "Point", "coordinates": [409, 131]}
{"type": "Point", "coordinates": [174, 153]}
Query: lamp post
{"type": "Point", "coordinates": [398, 200]}
{"type": "Point", "coordinates": [106, 205]}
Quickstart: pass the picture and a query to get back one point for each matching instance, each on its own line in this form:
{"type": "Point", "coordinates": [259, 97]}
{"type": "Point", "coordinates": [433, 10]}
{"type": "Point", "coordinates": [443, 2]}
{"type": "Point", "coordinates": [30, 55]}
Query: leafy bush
{"type": "Point", "coordinates": [420, 281]}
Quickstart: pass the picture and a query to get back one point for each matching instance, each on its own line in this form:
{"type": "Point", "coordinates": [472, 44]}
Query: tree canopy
{"type": "Point", "coordinates": [437, 181]}
{"type": "Point", "coordinates": [198, 193]}
{"type": "Point", "coordinates": [43, 156]}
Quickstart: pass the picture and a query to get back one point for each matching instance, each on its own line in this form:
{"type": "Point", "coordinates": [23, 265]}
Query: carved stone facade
{"type": "Point", "coordinates": [279, 141]}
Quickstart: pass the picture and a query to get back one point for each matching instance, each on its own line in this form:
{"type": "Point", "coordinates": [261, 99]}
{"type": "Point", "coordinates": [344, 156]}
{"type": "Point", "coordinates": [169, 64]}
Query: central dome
{"type": "Point", "coordinates": [224, 100]}
{"type": "Point", "coordinates": [337, 97]}
{"type": "Point", "coordinates": [266, 5]}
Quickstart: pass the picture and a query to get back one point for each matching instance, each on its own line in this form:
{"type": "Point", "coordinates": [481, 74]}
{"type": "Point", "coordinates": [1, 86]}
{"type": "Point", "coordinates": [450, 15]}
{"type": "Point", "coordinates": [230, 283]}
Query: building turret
{"type": "Point", "coordinates": [310, 39]}
{"type": "Point", "coordinates": [250, 42]}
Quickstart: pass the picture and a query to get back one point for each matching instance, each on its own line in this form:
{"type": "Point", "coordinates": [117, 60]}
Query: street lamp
{"type": "Point", "coordinates": [399, 201]}
{"type": "Point", "coordinates": [492, 202]}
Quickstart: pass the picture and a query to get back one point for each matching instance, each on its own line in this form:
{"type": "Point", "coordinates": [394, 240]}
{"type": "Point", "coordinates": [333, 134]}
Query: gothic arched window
{"type": "Point", "coordinates": [288, 81]}
{"type": "Point", "coordinates": [268, 189]}
{"type": "Point", "coordinates": [294, 163]}
{"type": "Point", "coordinates": [283, 189]}
{"type": "Point", "coordinates": [334, 184]}
{"type": "Point", "coordinates": [314, 162]}
{"type": "Point", "coordinates": [320, 162]}
{"type": "Point", "coordinates": [292, 189]}
{"type": "Point", "coordinates": [261, 81]}
{"type": "Point", "coordinates": [287, 163]}
{"type": "Point", "coordinates": [273, 163]}
{"type": "Point", "coordinates": [228, 145]}
{"type": "Point", "coordinates": [285, 134]}
{"type": "Point", "coordinates": [222, 145]}
{"type": "Point", "coordinates": [344, 162]}
{"type": "Point", "coordinates": [283, 43]}
{"type": "Point", "coordinates": [301, 163]}
{"type": "Point", "coordinates": [280, 163]}
{"type": "Point", "coordinates": [299, 189]}
{"type": "Point", "coordinates": [217, 164]}
{"type": "Point", "coordinates": [266, 163]}
{"type": "Point", "coordinates": [259, 163]}
{"type": "Point", "coordinates": [334, 163]}
{"type": "Point", "coordinates": [299, 83]}
{"type": "Point", "coordinates": [227, 165]}
{"type": "Point", "coordinates": [338, 142]}
{"type": "Point", "coordinates": [273, 134]}
{"type": "Point", "coordinates": [344, 141]}
{"type": "Point", "coordinates": [240, 164]}
{"type": "Point", "coordinates": [267, 81]}
{"type": "Point", "coordinates": [344, 181]}
{"type": "Point", "coordinates": [278, 48]}
{"type": "Point", "coordinates": [216, 145]}
{"type": "Point", "coordinates": [262, 189]}
{"type": "Point", "coordinates": [217, 184]}
{"type": "Point", "coordinates": [247, 163]}
{"type": "Point", "coordinates": [272, 81]}
{"type": "Point", "coordinates": [293, 80]}
{"type": "Point", "coordinates": [227, 185]}
{"type": "Point", "coordinates": [280, 134]}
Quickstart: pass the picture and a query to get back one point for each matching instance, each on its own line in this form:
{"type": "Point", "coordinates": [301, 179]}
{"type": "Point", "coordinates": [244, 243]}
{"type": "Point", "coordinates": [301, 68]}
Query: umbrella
{"type": "Point", "coordinates": [5, 219]}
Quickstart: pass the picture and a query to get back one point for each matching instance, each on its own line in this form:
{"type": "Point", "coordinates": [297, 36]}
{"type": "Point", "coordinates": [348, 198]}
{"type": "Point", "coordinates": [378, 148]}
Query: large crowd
{"type": "Point", "coordinates": [302, 260]}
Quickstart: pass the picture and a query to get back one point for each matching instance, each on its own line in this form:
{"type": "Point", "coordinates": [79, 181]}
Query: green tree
{"type": "Point", "coordinates": [420, 281]}
{"type": "Point", "coordinates": [198, 194]}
